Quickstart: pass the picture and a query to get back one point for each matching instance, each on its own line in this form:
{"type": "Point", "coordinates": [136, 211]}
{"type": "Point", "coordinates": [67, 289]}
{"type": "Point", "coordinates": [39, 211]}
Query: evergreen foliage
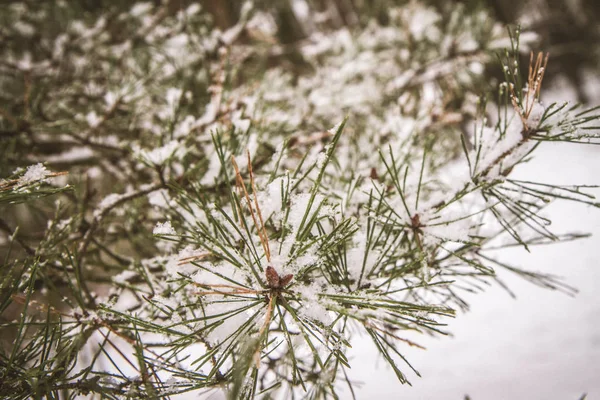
{"type": "Point", "coordinates": [200, 197]}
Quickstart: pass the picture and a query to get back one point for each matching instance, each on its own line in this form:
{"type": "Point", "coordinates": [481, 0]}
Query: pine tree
{"type": "Point", "coordinates": [219, 196]}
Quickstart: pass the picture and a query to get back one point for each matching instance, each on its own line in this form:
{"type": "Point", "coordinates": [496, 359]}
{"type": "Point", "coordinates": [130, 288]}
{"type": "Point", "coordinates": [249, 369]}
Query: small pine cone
{"type": "Point", "coordinates": [285, 280]}
{"type": "Point", "coordinates": [272, 277]}
{"type": "Point", "coordinates": [274, 281]}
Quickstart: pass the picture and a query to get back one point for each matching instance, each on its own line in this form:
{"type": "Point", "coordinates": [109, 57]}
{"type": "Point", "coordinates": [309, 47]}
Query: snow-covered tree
{"type": "Point", "coordinates": [207, 196]}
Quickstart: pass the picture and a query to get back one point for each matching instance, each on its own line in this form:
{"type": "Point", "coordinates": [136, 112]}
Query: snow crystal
{"type": "Point", "coordinates": [422, 23]}
{"type": "Point", "coordinates": [34, 173]}
{"type": "Point", "coordinates": [71, 155]}
{"type": "Point", "coordinates": [312, 305]}
{"type": "Point", "coordinates": [176, 48]}
{"type": "Point", "coordinates": [252, 145]}
{"type": "Point", "coordinates": [213, 273]}
{"type": "Point", "coordinates": [59, 45]}
{"type": "Point", "coordinates": [92, 119]}
{"type": "Point", "coordinates": [110, 200]}
{"type": "Point", "coordinates": [301, 10]}
{"type": "Point", "coordinates": [262, 22]}
{"type": "Point", "coordinates": [184, 127]}
{"type": "Point", "coordinates": [307, 259]}
{"type": "Point", "coordinates": [124, 276]}
{"type": "Point", "coordinates": [24, 28]}
{"type": "Point", "coordinates": [192, 10]}
{"type": "Point", "coordinates": [110, 98]}
{"type": "Point", "coordinates": [214, 169]}
{"type": "Point", "coordinates": [453, 231]}
{"type": "Point", "coordinates": [270, 200]}
{"type": "Point", "coordinates": [298, 208]}
{"type": "Point", "coordinates": [175, 266]}
{"type": "Point", "coordinates": [356, 256]}
{"type": "Point", "coordinates": [164, 229]}
{"type": "Point", "coordinates": [140, 9]}
{"type": "Point", "coordinates": [173, 96]}
{"type": "Point", "coordinates": [535, 115]}
{"type": "Point", "coordinates": [63, 223]}
{"type": "Point", "coordinates": [159, 155]}
{"type": "Point", "coordinates": [159, 198]}
{"type": "Point", "coordinates": [494, 147]}
{"type": "Point", "coordinates": [321, 158]}
{"type": "Point", "coordinates": [477, 68]}
{"type": "Point", "coordinates": [225, 311]}
{"type": "Point", "coordinates": [240, 122]}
